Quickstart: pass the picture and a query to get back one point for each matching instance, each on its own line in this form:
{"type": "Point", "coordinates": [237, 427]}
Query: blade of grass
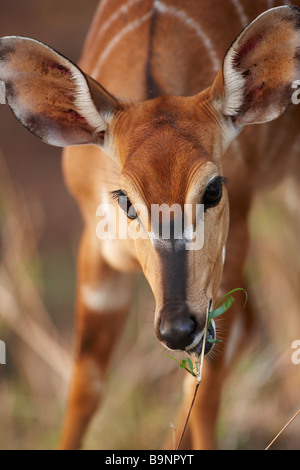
{"type": "Point", "coordinates": [217, 311]}
{"type": "Point", "coordinates": [224, 307]}
{"type": "Point", "coordinates": [220, 310]}
{"type": "Point", "coordinates": [232, 292]}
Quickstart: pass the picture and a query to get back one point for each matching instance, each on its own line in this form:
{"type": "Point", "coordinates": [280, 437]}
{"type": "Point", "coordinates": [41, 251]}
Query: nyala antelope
{"type": "Point", "coordinates": [165, 100]}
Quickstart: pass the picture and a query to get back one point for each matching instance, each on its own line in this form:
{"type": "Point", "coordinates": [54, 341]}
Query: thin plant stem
{"type": "Point", "coordinates": [284, 427]}
{"type": "Point", "coordinates": [199, 368]}
{"type": "Point", "coordinates": [188, 416]}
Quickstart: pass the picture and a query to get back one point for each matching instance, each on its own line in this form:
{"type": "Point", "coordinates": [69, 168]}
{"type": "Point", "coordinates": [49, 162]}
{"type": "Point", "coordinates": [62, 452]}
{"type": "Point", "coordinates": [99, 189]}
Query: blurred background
{"type": "Point", "coordinates": [40, 228]}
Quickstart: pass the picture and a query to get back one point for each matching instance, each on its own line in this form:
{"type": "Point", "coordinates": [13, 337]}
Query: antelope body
{"type": "Point", "coordinates": [179, 81]}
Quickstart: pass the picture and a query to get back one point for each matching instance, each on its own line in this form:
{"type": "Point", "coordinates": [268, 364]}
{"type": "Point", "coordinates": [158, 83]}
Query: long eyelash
{"type": "Point", "coordinates": [220, 179]}
{"type": "Point", "coordinates": [117, 193]}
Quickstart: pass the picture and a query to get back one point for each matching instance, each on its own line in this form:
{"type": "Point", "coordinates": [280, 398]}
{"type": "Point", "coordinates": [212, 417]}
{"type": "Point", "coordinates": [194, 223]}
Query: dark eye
{"type": "Point", "coordinates": [213, 193]}
{"type": "Point", "coordinates": [125, 204]}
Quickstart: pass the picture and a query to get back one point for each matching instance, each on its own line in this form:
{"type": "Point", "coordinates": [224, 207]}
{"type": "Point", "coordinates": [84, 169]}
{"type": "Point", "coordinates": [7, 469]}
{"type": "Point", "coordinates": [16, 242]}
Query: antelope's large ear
{"type": "Point", "coordinates": [52, 97]}
{"type": "Point", "coordinates": [255, 82]}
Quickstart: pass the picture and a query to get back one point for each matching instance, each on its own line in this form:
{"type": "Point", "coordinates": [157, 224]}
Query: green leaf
{"type": "Point", "coordinates": [182, 364]}
{"type": "Point", "coordinates": [232, 292]}
{"type": "Point", "coordinates": [220, 309]}
{"type": "Point", "coordinates": [211, 340]}
{"type": "Point", "coordinates": [191, 365]}
{"type": "Point", "coordinates": [223, 308]}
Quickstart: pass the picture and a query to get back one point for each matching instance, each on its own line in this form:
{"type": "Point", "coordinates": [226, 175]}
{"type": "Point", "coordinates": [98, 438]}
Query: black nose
{"type": "Point", "coordinates": [178, 327]}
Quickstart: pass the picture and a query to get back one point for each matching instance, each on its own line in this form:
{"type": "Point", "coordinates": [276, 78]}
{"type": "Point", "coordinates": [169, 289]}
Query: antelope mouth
{"type": "Point", "coordinates": [210, 335]}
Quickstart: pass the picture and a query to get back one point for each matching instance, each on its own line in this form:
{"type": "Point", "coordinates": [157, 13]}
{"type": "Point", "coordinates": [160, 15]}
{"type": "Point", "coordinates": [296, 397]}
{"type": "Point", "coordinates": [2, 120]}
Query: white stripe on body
{"type": "Point", "coordinates": [131, 27]}
{"type": "Point", "coordinates": [194, 26]}
{"type": "Point", "coordinates": [122, 10]}
{"type": "Point", "coordinates": [241, 12]}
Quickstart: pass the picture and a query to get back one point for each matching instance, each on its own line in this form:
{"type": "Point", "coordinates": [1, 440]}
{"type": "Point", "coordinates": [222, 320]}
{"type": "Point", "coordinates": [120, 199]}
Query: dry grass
{"type": "Point", "coordinates": [38, 361]}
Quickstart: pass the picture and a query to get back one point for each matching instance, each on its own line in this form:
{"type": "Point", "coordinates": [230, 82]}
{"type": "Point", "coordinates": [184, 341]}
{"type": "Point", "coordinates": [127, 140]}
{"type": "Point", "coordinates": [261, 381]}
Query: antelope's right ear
{"type": "Point", "coordinates": [52, 97]}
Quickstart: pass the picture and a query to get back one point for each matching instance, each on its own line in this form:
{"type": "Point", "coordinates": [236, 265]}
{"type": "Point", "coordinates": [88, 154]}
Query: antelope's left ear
{"type": "Point", "coordinates": [52, 97]}
{"type": "Point", "coordinates": [254, 84]}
